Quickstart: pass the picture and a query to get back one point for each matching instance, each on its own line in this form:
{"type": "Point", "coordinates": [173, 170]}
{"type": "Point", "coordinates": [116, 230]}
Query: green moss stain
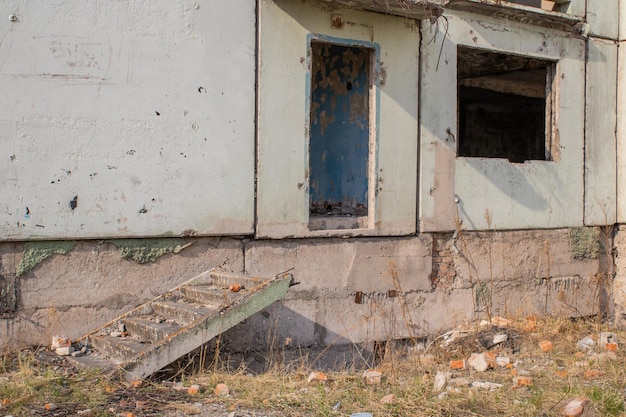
{"type": "Point", "coordinates": [584, 242]}
{"type": "Point", "coordinates": [36, 252]}
{"type": "Point", "coordinates": [148, 250]}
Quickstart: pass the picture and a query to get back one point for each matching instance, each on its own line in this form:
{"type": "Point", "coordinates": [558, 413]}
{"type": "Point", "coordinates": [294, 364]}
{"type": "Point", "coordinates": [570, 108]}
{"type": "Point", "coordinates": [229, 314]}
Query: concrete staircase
{"type": "Point", "coordinates": [163, 330]}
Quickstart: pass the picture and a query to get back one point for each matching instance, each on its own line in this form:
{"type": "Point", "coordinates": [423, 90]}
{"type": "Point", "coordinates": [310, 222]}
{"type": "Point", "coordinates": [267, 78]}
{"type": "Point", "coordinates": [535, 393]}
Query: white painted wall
{"type": "Point", "coordinates": [82, 83]}
{"type": "Point", "coordinates": [283, 199]}
{"type": "Point", "coordinates": [603, 18]}
{"type": "Point", "coordinates": [621, 116]}
{"type": "Point", "coordinates": [600, 133]}
{"type": "Point", "coordinates": [535, 194]}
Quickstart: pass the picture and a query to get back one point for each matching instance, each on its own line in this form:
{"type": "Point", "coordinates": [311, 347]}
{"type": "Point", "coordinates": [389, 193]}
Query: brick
{"type": "Point", "coordinates": [522, 381]}
{"type": "Point", "coordinates": [593, 373]}
{"type": "Point", "coordinates": [221, 390]}
{"type": "Point", "coordinates": [60, 342]}
{"type": "Point", "coordinates": [546, 346]}
{"type": "Point", "coordinates": [317, 377]}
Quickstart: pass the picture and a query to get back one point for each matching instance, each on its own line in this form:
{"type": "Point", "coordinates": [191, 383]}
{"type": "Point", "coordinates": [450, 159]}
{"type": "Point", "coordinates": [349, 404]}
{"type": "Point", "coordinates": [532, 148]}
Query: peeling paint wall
{"type": "Point", "coordinates": [283, 134]}
{"type": "Point", "coordinates": [137, 120]}
{"type": "Point", "coordinates": [366, 289]}
{"type": "Point", "coordinates": [533, 194]}
{"type": "Point", "coordinates": [126, 119]}
{"type": "Point", "coordinates": [93, 283]}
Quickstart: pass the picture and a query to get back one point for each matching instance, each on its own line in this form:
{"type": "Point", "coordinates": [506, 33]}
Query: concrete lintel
{"type": "Point", "coordinates": [414, 9]}
{"type": "Point", "coordinates": [519, 13]}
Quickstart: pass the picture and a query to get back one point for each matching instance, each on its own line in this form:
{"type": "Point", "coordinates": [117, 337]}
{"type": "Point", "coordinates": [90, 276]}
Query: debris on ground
{"type": "Point", "coordinates": [557, 368]}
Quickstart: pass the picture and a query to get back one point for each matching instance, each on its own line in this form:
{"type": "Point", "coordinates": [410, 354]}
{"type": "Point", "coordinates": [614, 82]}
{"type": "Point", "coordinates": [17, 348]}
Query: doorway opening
{"type": "Point", "coordinates": [340, 132]}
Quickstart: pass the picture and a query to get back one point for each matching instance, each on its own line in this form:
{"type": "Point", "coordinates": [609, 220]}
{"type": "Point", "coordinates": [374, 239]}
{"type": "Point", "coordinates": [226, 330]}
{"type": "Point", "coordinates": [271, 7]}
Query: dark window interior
{"type": "Point", "coordinates": [503, 104]}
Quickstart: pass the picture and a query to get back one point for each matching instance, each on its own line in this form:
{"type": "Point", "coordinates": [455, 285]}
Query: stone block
{"type": "Point", "coordinates": [367, 265]}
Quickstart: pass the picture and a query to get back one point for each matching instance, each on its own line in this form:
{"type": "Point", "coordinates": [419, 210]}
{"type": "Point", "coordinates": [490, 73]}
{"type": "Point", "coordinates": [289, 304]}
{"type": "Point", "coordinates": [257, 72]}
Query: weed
{"type": "Point", "coordinates": [28, 384]}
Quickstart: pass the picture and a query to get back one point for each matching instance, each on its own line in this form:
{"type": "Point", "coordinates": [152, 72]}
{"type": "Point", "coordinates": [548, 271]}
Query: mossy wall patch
{"type": "Point", "coordinates": [36, 252]}
{"type": "Point", "coordinates": [148, 250]}
{"type": "Point", "coordinates": [584, 242]}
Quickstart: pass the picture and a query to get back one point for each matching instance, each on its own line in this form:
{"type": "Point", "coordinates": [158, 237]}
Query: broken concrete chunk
{"type": "Point", "coordinates": [500, 338]}
{"type": "Point", "coordinates": [586, 343]}
{"type": "Point", "coordinates": [372, 376]}
{"type": "Point", "coordinates": [608, 341]}
{"type": "Point", "coordinates": [575, 407]}
{"type": "Point", "coordinates": [64, 351]}
{"type": "Point", "coordinates": [486, 385]}
{"type": "Point", "coordinates": [115, 334]}
{"type": "Point", "coordinates": [478, 361]}
{"type": "Point", "coordinates": [503, 361]}
{"type": "Point", "coordinates": [452, 335]}
{"type": "Point", "coordinates": [440, 380]}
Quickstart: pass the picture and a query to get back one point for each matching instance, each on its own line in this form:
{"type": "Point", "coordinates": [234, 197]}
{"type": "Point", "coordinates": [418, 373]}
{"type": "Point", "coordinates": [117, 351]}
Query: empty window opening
{"type": "Point", "coordinates": [505, 106]}
{"type": "Point", "coordinates": [339, 142]}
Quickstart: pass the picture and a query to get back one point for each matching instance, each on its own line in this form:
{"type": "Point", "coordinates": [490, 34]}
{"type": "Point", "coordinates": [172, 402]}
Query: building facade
{"type": "Point", "coordinates": [416, 164]}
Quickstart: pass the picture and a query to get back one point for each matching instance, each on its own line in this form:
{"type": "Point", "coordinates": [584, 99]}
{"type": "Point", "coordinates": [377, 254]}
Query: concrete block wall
{"type": "Point", "coordinates": [91, 283]}
{"type": "Point", "coordinates": [348, 290]}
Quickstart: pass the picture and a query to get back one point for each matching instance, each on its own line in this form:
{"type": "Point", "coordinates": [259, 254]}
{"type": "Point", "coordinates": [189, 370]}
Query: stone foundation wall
{"type": "Point", "coordinates": [348, 290]}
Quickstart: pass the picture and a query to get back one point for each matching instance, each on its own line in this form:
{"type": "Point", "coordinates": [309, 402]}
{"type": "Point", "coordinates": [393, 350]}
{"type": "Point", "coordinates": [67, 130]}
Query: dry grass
{"type": "Point", "coordinates": [28, 382]}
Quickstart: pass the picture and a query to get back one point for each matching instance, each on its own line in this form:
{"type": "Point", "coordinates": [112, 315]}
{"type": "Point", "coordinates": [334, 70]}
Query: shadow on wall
{"type": "Point", "coordinates": [279, 335]}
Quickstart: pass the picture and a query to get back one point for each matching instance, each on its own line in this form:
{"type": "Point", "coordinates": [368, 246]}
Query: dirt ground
{"type": "Point", "coordinates": [530, 368]}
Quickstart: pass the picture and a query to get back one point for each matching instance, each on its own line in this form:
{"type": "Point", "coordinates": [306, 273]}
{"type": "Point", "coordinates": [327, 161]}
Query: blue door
{"type": "Point", "coordinates": [339, 129]}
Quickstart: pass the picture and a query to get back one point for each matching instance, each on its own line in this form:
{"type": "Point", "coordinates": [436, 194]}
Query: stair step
{"type": "Point", "coordinates": [225, 279]}
{"type": "Point", "coordinates": [210, 295]}
{"type": "Point", "coordinates": [148, 330]}
{"type": "Point", "coordinates": [119, 349]}
{"type": "Point", "coordinates": [189, 325]}
{"type": "Point", "coordinates": [92, 361]}
{"type": "Point", "coordinates": [180, 312]}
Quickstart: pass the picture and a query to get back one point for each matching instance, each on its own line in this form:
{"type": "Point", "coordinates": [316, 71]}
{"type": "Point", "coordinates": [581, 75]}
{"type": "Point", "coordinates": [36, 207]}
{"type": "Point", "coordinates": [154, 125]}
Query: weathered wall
{"type": "Point", "coordinates": [600, 133]}
{"type": "Point", "coordinates": [348, 290]}
{"type": "Point", "coordinates": [619, 286]}
{"type": "Point", "coordinates": [139, 118]}
{"type": "Point", "coordinates": [621, 118]}
{"type": "Point", "coordinates": [619, 289]}
{"type": "Point", "coordinates": [126, 118]}
{"type": "Point", "coordinates": [533, 194]}
{"type": "Point", "coordinates": [92, 283]}
{"type": "Point", "coordinates": [283, 178]}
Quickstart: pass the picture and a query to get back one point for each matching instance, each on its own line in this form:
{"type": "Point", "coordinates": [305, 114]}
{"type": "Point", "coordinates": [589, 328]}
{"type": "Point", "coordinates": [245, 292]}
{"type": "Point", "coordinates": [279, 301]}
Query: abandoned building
{"type": "Point", "coordinates": [415, 164]}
